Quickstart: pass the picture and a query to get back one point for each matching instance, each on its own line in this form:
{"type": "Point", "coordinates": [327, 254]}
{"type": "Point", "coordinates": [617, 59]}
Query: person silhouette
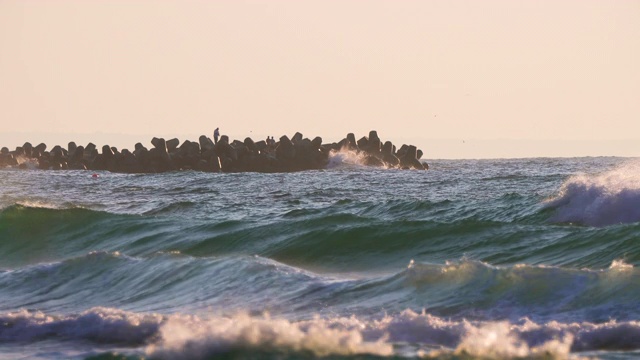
{"type": "Point", "coordinates": [216, 135]}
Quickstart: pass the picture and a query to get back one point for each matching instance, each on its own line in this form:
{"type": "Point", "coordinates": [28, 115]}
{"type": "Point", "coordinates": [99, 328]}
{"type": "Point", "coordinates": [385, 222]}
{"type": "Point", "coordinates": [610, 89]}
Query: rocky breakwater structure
{"type": "Point", "coordinates": [285, 155]}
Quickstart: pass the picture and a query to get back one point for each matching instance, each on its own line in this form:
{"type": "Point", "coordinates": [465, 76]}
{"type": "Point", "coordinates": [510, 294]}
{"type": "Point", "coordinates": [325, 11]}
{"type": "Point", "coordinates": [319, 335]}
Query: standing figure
{"type": "Point", "coordinates": [216, 135]}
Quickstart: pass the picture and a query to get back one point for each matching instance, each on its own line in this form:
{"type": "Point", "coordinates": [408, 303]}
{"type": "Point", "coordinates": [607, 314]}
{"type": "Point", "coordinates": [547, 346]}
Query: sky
{"type": "Point", "coordinates": [459, 79]}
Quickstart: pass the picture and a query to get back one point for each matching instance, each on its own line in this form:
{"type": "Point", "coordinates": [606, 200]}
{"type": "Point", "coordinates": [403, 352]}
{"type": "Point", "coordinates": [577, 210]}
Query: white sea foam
{"type": "Point", "coordinates": [620, 265]}
{"type": "Point", "coordinates": [598, 200]}
{"type": "Point", "coordinates": [39, 204]}
{"type": "Point", "coordinates": [181, 336]}
{"type": "Point", "coordinates": [194, 337]}
{"type": "Point", "coordinates": [187, 337]}
{"type": "Point", "coordinates": [499, 341]}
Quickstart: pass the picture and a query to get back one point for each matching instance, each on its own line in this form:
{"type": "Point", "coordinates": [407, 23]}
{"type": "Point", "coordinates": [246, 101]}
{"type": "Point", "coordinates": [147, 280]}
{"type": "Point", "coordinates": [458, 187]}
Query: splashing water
{"type": "Point", "coordinates": [346, 159]}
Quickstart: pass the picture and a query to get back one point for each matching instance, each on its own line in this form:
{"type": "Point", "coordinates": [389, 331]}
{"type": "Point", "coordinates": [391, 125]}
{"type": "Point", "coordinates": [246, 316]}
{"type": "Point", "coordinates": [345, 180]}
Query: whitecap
{"type": "Point", "coordinates": [599, 200]}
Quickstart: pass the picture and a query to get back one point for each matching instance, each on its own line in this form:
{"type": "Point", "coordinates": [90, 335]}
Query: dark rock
{"type": "Point", "coordinates": [8, 159]}
{"type": "Point", "coordinates": [43, 162]}
{"type": "Point", "coordinates": [107, 151]}
{"type": "Point", "coordinates": [410, 159]}
{"type": "Point", "coordinates": [387, 148]}
{"type": "Point", "coordinates": [297, 137]}
{"type": "Point", "coordinates": [363, 143]}
{"type": "Point", "coordinates": [207, 144]}
{"type": "Point", "coordinates": [79, 153]}
{"type": "Point", "coordinates": [76, 160]}
{"type": "Point", "coordinates": [390, 159]}
{"type": "Point", "coordinates": [402, 151]}
{"type": "Point", "coordinates": [316, 143]}
{"type": "Point", "coordinates": [143, 157]}
{"type": "Point", "coordinates": [285, 149]}
{"type": "Point", "coordinates": [57, 156]}
{"type": "Point", "coordinates": [28, 149]}
{"type": "Point", "coordinates": [237, 144]}
{"type": "Point", "coordinates": [339, 146]}
{"type": "Point", "coordinates": [261, 145]}
{"type": "Point", "coordinates": [90, 148]}
{"type": "Point", "coordinates": [172, 144]}
{"type": "Point", "coordinates": [297, 153]}
{"type": "Point", "coordinates": [371, 160]}
{"type": "Point", "coordinates": [411, 153]}
{"type": "Point", "coordinates": [41, 148]}
{"type": "Point", "coordinates": [248, 142]}
{"type": "Point", "coordinates": [157, 141]}
{"type": "Point", "coordinates": [352, 144]}
{"type": "Point", "coordinates": [77, 166]}
{"type": "Point", "coordinates": [374, 144]}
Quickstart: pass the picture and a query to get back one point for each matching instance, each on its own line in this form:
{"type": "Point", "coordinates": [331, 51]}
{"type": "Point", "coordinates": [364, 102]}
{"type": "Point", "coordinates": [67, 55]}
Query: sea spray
{"type": "Point", "coordinates": [346, 159]}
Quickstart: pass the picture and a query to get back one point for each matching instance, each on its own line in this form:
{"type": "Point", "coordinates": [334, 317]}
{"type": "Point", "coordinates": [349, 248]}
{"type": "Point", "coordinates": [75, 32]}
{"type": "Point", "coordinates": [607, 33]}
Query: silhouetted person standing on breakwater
{"type": "Point", "coordinates": [216, 135]}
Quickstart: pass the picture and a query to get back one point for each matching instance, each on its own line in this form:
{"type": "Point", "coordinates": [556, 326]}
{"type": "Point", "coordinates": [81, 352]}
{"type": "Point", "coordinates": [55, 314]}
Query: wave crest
{"type": "Point", "coordinates": [186, 337]}
{"type": "Point", "coordinates": [599, 200]}
{"type": "Point", "coordinates": [102, 325]}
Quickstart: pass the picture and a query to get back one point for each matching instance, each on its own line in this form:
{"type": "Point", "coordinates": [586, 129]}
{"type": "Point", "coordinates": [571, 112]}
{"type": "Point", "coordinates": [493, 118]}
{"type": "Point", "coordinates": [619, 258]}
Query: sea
{"type": "Point", "coordinates": [473, 259]}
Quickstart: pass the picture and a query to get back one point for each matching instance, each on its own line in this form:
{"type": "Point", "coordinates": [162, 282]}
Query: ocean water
{"type": "Point", "coordinates": [524, 258]}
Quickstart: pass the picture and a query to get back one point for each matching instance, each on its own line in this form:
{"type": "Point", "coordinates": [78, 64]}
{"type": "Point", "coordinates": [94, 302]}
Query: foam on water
{"type": "Point", "coordinates": [102, 325]}
{"type": "Point", "coordinates": [36, 204]}
{"type": "Point", "coordinates": [182, 336]}
{"type": "Point", "coordinates": [599, 200]}
{"type": "Point", "coordinates": [498, 341]}
{"type": "Point", "coordinates": [186, 337]}
{"type": "Point", "coordinates": [620, 265]}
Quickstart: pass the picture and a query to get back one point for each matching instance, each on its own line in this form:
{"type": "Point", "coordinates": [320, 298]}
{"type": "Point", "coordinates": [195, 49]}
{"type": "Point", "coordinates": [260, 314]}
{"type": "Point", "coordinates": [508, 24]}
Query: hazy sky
{"type": "Point", "coordinates": [457, 78]}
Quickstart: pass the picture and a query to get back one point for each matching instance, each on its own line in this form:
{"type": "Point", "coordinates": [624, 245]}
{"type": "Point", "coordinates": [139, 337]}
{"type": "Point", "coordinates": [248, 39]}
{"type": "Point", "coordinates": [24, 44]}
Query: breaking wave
{"type": "Point", "coordinates": [599, 200]}
{"type": "Point", "coordinates": [181, 336]}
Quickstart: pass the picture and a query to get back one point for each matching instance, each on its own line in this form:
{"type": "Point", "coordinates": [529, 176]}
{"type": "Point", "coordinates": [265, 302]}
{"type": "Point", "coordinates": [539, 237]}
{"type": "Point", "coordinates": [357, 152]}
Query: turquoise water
{"type": "Point", "coordinates": [471, 259]}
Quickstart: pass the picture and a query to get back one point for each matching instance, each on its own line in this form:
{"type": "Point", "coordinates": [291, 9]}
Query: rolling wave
{"type": "Point", "coordinates": [409, 333]}
{"type": "Point", "coordinates": [539, 292]}
{"type": "Point", "coordinates": [342, 236]}
{"type": "Point", "coordinates": [460, 289]}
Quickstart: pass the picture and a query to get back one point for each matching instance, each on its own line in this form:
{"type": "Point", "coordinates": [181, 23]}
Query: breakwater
{"type": "Point", "coordinates": [284, 155]}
